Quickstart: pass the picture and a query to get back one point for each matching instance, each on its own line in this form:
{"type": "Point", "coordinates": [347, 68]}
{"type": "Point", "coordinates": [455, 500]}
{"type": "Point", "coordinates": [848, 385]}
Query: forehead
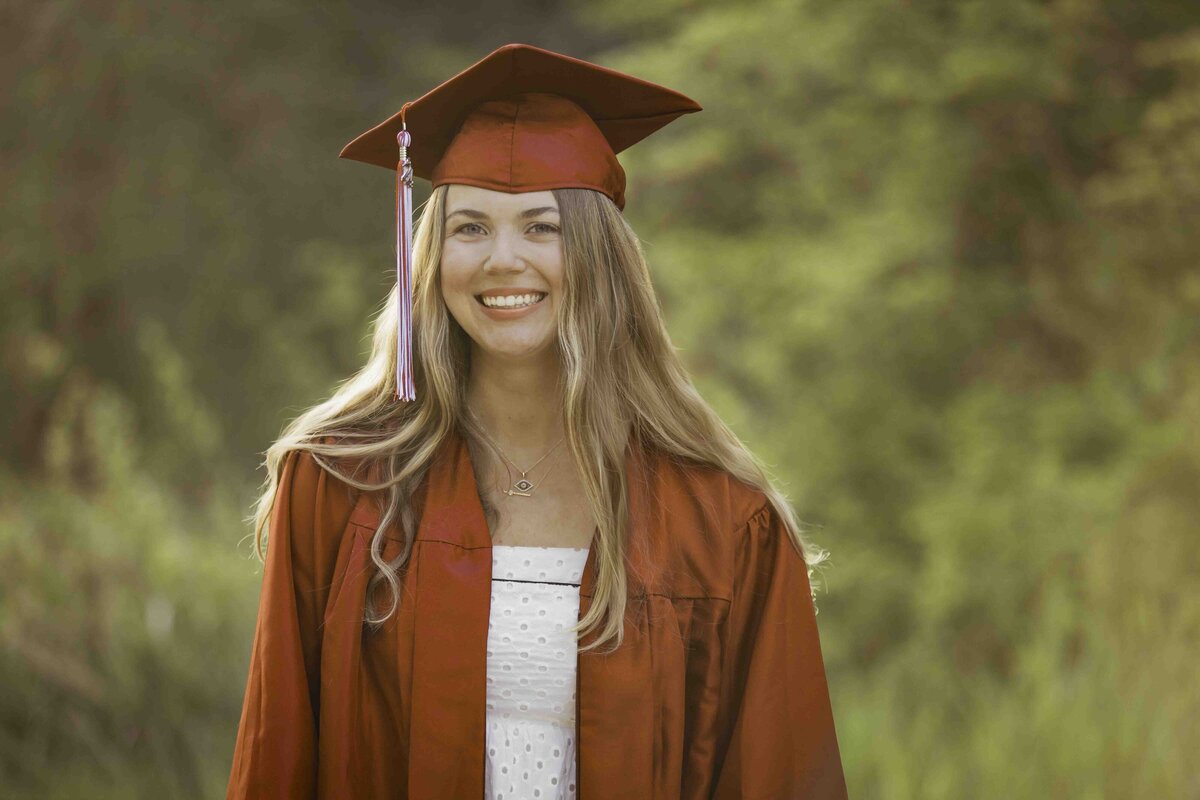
{"type": "Point", "coordinates": [495, 203]}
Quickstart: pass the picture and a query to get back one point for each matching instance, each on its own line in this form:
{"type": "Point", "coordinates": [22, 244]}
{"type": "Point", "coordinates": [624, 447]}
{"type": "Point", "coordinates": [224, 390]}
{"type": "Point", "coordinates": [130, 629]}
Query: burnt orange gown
{"type": "Point", "coordinates": [718, 690]}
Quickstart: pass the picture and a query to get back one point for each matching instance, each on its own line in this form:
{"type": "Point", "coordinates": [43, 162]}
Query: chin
{"type": "Point", "coordinates": [511, 351]}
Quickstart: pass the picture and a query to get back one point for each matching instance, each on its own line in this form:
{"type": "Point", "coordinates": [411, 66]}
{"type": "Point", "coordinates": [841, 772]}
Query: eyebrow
{"type": "Point", "coordinates": [526, 214]}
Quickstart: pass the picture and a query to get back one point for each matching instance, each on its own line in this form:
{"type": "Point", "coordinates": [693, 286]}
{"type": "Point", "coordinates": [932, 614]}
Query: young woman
{"type": "Point", "coordinates": [554, 572]}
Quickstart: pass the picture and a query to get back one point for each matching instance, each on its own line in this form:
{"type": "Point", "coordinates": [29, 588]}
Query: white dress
{"type": "Point", "coordinates": [531, 660]}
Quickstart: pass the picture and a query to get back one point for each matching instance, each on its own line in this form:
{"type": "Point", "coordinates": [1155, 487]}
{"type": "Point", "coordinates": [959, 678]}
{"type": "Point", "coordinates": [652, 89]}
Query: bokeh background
{"type": "Point", "coordinates": [935, 261]}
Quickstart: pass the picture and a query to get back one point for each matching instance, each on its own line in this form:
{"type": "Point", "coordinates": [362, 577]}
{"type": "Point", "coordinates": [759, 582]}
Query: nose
{"type": "Point", "coordinates": [504, 257]}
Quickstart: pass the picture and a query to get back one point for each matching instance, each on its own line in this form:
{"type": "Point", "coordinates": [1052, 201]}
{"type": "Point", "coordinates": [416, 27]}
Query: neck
{"type": "Point", "coordinates": [519, 404]}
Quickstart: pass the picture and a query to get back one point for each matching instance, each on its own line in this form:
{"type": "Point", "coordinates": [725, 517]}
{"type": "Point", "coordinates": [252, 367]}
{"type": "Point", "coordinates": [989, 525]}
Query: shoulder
{"type": "Point", "coordinates": [703, 493]}
{"type": "Point", "coordinates": [309, 474]}
{"type": "Point", "coordinates": [314, 503]}
{"type": "Point", "coordinates": [702, 517]}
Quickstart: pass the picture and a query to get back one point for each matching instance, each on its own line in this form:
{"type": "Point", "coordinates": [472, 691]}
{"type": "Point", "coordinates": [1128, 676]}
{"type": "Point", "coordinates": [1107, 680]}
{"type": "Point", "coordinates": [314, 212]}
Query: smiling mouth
{"type": "Point", "coordinates": [511, 300]}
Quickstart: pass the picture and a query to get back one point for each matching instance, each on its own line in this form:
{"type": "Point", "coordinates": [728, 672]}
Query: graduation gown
{"type": "Point", "coordinates": [718, 690]}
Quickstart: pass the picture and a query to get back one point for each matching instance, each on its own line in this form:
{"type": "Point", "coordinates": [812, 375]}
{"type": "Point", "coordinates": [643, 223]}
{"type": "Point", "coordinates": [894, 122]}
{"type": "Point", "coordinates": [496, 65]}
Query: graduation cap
{"type": "Point", "coordinates": [523, 119]}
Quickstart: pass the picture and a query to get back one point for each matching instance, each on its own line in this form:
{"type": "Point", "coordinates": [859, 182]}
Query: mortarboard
{"type": "Point", "coordinates": [523, 119]}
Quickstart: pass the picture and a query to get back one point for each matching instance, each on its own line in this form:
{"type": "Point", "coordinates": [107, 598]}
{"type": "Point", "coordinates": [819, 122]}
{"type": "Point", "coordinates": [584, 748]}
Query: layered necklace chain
{"type": "Point", "coordinates": [523, 486]}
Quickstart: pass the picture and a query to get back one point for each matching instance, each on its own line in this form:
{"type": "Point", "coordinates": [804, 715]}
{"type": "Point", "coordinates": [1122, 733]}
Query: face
{"type": "Point", "coordinates": [502, 270]}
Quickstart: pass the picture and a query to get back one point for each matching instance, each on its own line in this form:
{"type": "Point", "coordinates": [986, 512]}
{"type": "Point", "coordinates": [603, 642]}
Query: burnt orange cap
{"type": "Point", "coordinates": [526, 119]}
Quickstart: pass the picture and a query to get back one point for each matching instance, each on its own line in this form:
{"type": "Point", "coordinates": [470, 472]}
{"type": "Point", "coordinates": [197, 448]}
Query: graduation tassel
{"type": "Point", "coordinates": [405, 387]}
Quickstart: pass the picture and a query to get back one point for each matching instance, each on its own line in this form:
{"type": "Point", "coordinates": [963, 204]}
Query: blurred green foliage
{"type": "Point", "coordinates": [935, 261]}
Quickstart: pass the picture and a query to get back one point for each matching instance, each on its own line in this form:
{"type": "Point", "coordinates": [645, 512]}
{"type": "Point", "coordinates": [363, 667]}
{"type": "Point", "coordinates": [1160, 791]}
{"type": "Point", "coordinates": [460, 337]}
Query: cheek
{"type": "Point", "coordinates": [555, 271]}
{"type": "Point", "coordinates": [453, 278]}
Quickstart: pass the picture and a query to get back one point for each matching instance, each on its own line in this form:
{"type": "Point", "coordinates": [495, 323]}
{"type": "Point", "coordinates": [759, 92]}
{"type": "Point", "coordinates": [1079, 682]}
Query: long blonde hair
{"type": "Point", "coordinates": [621, 377]}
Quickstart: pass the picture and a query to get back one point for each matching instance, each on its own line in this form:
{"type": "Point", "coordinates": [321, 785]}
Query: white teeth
{"type": "Point", "coordinates": [512, 300]}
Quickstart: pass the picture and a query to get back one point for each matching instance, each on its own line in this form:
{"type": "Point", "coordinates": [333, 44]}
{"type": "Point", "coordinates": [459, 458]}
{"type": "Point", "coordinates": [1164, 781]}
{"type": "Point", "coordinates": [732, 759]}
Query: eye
{"type": "Point", "coordinates": [549, 228]}
{"type": "Point", "coordinates": [462, 228]}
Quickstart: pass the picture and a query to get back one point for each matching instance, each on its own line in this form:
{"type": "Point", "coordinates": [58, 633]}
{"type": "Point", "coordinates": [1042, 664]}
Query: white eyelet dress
{"type": "Point", "coordinates": [531, 660]}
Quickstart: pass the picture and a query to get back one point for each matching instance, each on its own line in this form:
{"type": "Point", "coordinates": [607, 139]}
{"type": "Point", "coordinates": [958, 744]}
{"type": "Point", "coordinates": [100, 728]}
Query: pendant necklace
{"type": "Point", "coordinates": [522, 487]}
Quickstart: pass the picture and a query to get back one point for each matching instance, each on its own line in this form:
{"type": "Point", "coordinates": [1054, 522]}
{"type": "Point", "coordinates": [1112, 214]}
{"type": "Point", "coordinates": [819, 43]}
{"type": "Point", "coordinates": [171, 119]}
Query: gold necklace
{"type": "Point", "coordinates": [522, 487]}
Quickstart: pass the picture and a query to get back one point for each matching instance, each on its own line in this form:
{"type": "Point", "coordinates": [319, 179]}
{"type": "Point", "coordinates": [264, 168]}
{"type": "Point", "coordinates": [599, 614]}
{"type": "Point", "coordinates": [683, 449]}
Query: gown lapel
{"type": "Point", "coordinates": [452, 603]}
{"type": "Point", "coordinates": [615, 722]}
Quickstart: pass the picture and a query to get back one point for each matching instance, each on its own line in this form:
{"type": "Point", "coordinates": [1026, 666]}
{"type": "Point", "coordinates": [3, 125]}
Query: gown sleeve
{"type": "Point", "coordinates": [779, 740]}
{"type": "Point", "coordinates": [275, 755]}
